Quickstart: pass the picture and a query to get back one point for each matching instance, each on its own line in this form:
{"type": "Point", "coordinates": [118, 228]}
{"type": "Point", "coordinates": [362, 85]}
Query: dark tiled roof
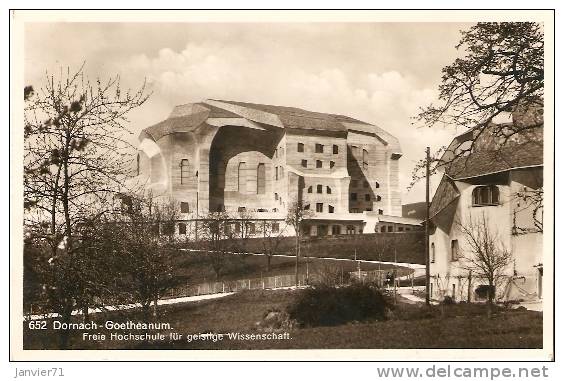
{"type": "Point", "coordinates": [485, 162]}
{"type": "Point", "coordinates": [293, 117]}
{"type": "Point", "coordinates": [445, 194]}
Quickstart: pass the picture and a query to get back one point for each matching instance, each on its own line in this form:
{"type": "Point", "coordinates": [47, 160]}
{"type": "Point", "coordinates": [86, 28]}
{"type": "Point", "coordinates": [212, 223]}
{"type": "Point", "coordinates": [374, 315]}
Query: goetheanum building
{"type": "Point", "coordinates": [232, 156]}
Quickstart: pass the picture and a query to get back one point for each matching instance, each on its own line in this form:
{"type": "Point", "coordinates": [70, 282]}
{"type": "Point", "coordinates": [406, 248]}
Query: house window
{"type": "Point", "coordinates": [367, 197]}
{"type": "Point", "coordinates": [251, 228]}
{"type": "Point", "coordinates": [328, 190]}
{"type": "Point", "coordinates": [261, 173]}
{"type": "Point", "coordinates": [331, 209]}
{"type": "Point", "coordinates": [304, 163]}
{"type": "Point", "coordinates": [184, 207]}
{"type": "Point", "coordinates": [319, 207]}
{"type": "Point", "coordinates": [485, 195]}
{"type": "Point", "coordinates": [318, 164]}
{"type": "Point", "coordinates": [318, 148]}
{"type": "Point", "coordinates": [331, 164]}
{"type": "Point", "coordinates": [227, 230]}
{"type": "Point", "coordinates": [310, 189]}
{"type": "Point", "coordinates": [184, 171]}
{"type": "Point", "coordinates": [276, 173]}
{"type": "Point", "coordinates": [281, 172]}
{"type": "Point", "coordinates": [336, 229]}
{"type": "Point", "coordinates": [433, 252]}
{"type": "Point", "coordinates": [300, 147]}
{"type": "Point", "coordinates": [241, 209]}
{"type": "Point", "coordinates": [378, 198]}
{"type": "Point", "coordinates": [383, 229]}
{"type": "Point", "coordinates": [380, 211]}
{"type": "Point", "coordinates": [390, 228]}
{"type": "Point", "coordinates": [407, 229]}
{"type": "Point", "coordinates": [237, 227]}
{"type": "Point", "coordinates": [275, 227]}
{"type": "Point", "coordinates": [454, 250]}
{"type": "Point", "coordinates": [306, 207]}
{"type": "Point", "coordinates": [241, 177]}
{"type": "Point", "coordinates": [319, 188]}
{"type": "Point", "coordinates": [276, 196]}
{"type": "Point", "coordinates": [364, 159]}
{"type": "Point", "coordinates": [400, 229]}
{"type": "Point", "coordinates": [350, 229]}
{"type": "Point", "coordinates": [377, 184]}
{"type": "Point", "coordinates": [353, 196]}
{"type": "Point", "coordinates": [335, 149]}
{"type": "Point", "coordinates": [182, 229]}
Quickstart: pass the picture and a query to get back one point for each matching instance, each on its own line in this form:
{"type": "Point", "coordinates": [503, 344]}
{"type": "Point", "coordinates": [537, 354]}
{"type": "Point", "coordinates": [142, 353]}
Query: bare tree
{"type": "Point", "coordinates": [272, 236]}
{"type": "Point", "coordinates": [295, 216]}
{"type": "Point", "coordinates": [75, 159]}
{"type": "Point", "coordinates": [142, 257]}
{"type": "Point", "coordinates": [216, 232]}
{"type": "Point", "coordinates": [486, 256]}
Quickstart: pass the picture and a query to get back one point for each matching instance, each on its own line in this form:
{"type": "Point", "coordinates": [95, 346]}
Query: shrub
{"type": "Point", "coordinates": [329, 306]}
{"type": "Point", "coordinates": [448, 300]}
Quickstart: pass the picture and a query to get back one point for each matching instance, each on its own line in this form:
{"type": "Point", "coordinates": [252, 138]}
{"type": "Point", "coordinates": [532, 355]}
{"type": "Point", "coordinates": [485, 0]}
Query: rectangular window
{"type": "Point", "coordinates": [454, 250]}
{"type": "Point", "coordinates": [304, 163]}
{"type": "Point", "coordinates": [318, 164]}
{"type": "Point", "coordinates": [261, 178]}
{"type": "Point", "coordinates": [400, 229]}
{"type": "Point", "coordinates": [251, 228]}
{"type": "Point", "coordinates": [353, 196]}
{"type": "Point", "coordinates": [331, 209]}
{"type": "Point", "coordinates": [241, 209]}
{"type": "Point", "coordinates": [276, 173]}
{"type": "Point", "coordinates": [390, 229]}
{"type": "Point", "coordinates": [182, 229]}
{"type": "Point", "coordinates": [336, 229]}
{"type": "Point", "coordinates": [318, 148]}
{"type": "Point", "coordinates": [383, 229]}
{"type": "Point", "coordinates": [275, 227]}
{"type": "Point", "coordinates": [319, 207]}
{"type": "Point", "coordinates": [319, 188]}
{"type": "Point", "coordinates": [300, 147]}
{"type": "Point", "coordinates": [237, 227]}
{"type": "Point", "coordinates": [335, 149]}
{"type": "Point", "coordinates": [331, 164]}
{"type": "Point", "coordinates": [184, 207]}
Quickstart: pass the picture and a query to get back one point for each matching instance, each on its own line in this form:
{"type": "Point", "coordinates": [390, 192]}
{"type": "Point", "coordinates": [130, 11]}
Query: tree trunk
{"type": "Point", "coordinates": [85, 314]}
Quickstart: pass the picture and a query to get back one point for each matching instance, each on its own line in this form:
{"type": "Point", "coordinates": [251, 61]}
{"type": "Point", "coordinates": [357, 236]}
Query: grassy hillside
{"type": "Point", "coordinates": [406, 247]}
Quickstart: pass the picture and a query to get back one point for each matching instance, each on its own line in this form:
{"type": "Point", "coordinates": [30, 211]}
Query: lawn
{"type": "Point", "coordinates": [191, 267]}
{"type": "Point", "coordinates": [410, 326]}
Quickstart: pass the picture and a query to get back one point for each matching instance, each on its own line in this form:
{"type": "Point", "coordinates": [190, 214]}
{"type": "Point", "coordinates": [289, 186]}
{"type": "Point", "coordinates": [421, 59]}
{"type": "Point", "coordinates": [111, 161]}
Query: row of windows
{"type": "Point", "coordinates": [357, 210]}
{"type": "Point", "coordinates": [319, 148]}
{"type": "Point", "coordinates": [242, 179]}
{"type": "Point", "coordinates": [365, 184]}
{"type": "Point", "coordinates": [236, 226]}
{"type": "Point", "coordinates": [319, 207]}
{"type": "Point", "coordinates": [367, 197]}
{"type": "Point", "coordinates": [335, 230]}
{"type": "Point", "coordinates": [319, 189]}
{"type": "Point", "coordinates": [390, 229]}
{"type": "Point", "coordinates": [318, 163]}
{"type": "Point", "coordinates": [454, 251]}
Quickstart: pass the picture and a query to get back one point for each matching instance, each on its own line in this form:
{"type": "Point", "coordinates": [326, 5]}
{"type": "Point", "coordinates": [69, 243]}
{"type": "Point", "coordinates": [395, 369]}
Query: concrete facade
{"type": "Point", "coordinates": [233, 157]}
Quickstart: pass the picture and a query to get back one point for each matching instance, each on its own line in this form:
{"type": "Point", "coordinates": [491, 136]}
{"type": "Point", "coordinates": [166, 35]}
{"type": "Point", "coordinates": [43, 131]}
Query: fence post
{"type": "Point", "coordinates": [263, 284]}
{"type": "Point", "coordinates": [249, 284]}
{"type": "Point", "coordinates": [275, 281]}
{"type": "Point", "coordinates": [223, 287]}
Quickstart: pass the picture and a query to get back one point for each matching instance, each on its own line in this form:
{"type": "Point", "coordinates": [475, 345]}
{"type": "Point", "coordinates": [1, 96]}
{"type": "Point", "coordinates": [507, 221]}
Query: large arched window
{"type": "Point", "coordinates": [485, 195]}
{"type": "Point", "coordinates": [261, 173]}
{"type": "Point", "coordinates": [241, 178]}
{"type": "Point", "coordinates": [184, 171]}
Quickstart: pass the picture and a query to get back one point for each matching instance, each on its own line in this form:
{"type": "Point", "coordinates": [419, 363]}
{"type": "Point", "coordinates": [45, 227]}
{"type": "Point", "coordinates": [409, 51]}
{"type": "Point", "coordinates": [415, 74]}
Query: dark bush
{"type": "Point", "coordinates": [329, 306]}
{"type": "Point", "coordinates": [448, 300]}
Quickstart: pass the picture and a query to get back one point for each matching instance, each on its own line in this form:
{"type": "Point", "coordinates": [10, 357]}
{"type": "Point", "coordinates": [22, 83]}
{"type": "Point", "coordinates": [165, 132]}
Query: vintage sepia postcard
{"type": "Point", "coordinates": [282, 185]}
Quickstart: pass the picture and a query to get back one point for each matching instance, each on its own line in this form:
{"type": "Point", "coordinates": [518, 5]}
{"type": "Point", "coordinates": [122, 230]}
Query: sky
{"type": "Point", "coordinates": [381, 73]}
